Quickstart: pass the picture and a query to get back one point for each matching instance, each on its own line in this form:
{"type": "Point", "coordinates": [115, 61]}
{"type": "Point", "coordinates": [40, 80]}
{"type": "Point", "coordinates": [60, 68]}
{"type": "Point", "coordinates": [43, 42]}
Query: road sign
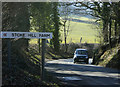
{"type": "Point", "coordinates": [42, 35]}
{"type": "Point", "coordinates": [38, 35]}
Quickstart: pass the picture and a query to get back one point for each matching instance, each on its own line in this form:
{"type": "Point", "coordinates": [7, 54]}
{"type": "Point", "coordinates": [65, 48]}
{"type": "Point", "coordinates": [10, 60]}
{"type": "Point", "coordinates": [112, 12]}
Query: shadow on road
{"type": "Point", "coordinates": [83, 68]}
{"type": "Point", "coordinates": [84, 82]}
{"type": "Point", "coordinates": [89, 74]}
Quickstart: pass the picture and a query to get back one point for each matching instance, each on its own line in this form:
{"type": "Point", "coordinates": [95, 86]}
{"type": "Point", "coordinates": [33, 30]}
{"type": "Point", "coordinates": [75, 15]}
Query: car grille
{"type": "Point", "coordinates": [81, 56]}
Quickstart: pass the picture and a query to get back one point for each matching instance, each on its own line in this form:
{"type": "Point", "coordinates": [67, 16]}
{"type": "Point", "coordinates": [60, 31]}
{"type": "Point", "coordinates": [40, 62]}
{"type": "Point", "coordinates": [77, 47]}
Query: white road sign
{"type": "Point", "coordinates": [42, 35]}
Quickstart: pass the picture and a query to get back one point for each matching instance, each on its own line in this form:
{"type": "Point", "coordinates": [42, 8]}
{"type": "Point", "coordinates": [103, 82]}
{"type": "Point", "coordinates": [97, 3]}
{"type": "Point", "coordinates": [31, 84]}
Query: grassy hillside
{"type": "Point", "coordinates": [87, 31]}
{"type": "Point", "coordinates": [79, 29]}
{"type": "Point", "coordinates": [110, 58]}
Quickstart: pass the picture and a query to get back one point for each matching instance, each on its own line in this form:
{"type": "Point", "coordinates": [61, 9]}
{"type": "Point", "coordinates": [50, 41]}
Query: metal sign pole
{"type": "Point", "coordinates": [9, 54]}
{"type": "Point", "coordinates": [43, 58]}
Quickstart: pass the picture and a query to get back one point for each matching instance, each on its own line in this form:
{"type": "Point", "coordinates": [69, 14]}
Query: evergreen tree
{"type": "Point", "coordinates": [45, 18]}
{"type": "Point", "coordinates": [56, 26]}
{"type": "Point", "coordinates": [15, 18]}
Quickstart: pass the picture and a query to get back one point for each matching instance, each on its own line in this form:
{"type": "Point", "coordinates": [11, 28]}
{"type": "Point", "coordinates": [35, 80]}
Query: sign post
{"type": "Point", "coordinates": [43, 58]}
{"type": "Point", "coordinates": [9, 54]}
{"type": "Point", "coordinates": [38, 35]}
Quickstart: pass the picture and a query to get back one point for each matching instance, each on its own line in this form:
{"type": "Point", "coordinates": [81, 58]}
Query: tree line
{"type": "Point", "coordinates": [108, 19]}
{"type": "Point", "coordinates": [45, 17]}
{"type": "Point", "coordinates": [26, 17]}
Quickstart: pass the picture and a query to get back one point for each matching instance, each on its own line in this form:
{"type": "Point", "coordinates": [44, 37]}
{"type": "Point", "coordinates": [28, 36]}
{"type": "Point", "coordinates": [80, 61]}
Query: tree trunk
{"type": "Point", "coordinates": [115, 28]}
{"type": "Point", "coordinates": [39, 44]}
{"type": "Point", "coordinates": [65, 45]}
{"type": "Point", "coordinates": [65, 37]}
{"type": "Point", "coordinates": [119, 34]}
{"type": "Point", "coordinates": [118, 22]}
{"type": "Point", "coordinates": [105, 31]}
{"type": "Point", "coordinates": [110, 24]}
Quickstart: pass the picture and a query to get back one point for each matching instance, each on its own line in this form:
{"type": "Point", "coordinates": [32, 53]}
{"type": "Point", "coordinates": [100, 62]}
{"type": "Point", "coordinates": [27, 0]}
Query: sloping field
{"type": "Point", "coordinates": [78, 30]}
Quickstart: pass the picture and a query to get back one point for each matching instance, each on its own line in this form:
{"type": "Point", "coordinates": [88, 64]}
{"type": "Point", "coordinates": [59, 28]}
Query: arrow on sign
{"type": "Point", "coordinates": [5, 34]}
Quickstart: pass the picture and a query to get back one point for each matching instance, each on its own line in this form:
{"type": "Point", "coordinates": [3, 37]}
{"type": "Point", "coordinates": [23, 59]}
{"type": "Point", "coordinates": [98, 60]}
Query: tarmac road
{"type": "Point", "coordinates": [83, 74]}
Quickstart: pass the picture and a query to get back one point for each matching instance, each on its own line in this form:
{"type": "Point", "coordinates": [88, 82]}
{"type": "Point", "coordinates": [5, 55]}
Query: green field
{"type": "Point", "coordinates": [78, 30]}
{"type": "Point", "coordinates": [81, 18]}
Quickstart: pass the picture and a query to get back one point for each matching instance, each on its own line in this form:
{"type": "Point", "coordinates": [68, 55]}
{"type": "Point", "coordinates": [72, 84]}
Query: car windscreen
{"type": "Point", "coordinates": [81, 52]}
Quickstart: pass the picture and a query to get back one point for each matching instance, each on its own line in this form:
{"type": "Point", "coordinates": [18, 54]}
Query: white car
{"type": "Point", "coordinates": [81, 55]}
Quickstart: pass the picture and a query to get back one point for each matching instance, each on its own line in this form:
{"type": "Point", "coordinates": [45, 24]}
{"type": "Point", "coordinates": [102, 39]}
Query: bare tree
{"type": "Point", "coordinates": [65, 22]}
